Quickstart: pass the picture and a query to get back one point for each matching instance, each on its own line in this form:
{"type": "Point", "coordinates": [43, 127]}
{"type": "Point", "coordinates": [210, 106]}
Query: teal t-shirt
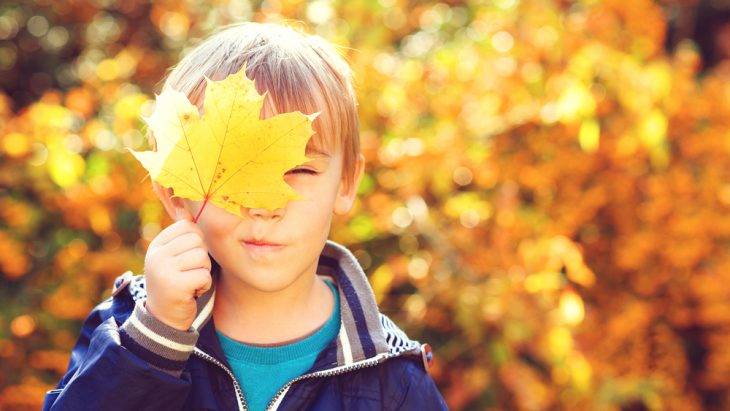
{"type": "Point", "coordinates": [263, 370]}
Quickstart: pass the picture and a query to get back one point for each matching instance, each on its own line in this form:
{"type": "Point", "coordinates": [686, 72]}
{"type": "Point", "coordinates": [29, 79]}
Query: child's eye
{"type": "Point", "coordinates": [302, 170]}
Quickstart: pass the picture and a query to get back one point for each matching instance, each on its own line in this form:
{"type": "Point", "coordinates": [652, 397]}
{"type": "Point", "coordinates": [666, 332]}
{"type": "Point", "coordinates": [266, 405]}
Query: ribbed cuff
{"type": "Point", "coordinates": [161, 345]}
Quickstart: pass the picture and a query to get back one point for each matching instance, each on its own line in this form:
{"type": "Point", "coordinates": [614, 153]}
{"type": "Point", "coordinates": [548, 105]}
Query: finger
{"type": "Point", "coordinates": [194, 282]}
{"type": "Point", "coordinates": [174, 230]}
{"type": "Point", "coordinates": [192, 259]}
{"type": "Point", "coordinates": [182, 213]}
{"type": "Point", "coordinates": [184, 242]}
{"type": "Point", "coordinates": [207, 282]}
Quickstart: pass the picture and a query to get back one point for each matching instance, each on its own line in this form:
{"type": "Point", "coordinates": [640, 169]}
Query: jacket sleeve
{"type": "Point", "coordinates": [137, 365]}
{"type": "Point", "coordinates": [420, 392]}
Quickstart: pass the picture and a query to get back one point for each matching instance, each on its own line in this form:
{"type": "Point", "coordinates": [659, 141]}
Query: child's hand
{"type": "Point", "coordinates": [177, 269]}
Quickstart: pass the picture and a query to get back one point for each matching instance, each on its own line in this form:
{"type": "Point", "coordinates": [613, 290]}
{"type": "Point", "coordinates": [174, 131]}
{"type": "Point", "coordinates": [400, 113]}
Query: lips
{"type": "Point", "coordinates": [260, 242]}
{"type": "Point", "coordinates": [261, 248]}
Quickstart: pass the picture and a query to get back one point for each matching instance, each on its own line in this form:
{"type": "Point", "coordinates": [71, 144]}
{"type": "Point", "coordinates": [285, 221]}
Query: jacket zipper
{"type": "Point", "coordinates": [328, 372]}
{"type": "Point", "coordinates": [333, 371]}
{"type": "Point", "coordinates": [239, 393]}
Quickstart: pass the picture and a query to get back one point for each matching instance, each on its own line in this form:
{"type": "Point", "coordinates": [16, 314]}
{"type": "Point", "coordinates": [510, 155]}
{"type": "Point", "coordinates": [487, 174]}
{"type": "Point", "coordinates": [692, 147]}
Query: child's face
{"type": "Point", "coordinates": [302, 226]}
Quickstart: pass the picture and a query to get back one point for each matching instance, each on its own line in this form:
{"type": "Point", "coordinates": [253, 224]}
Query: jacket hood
{"type": "Point", "coordinates": [364, 332]}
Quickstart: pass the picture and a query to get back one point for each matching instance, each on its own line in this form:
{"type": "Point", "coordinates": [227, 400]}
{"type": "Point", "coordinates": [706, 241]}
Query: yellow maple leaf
{"type": "Point", "coordinates": [227, 155]}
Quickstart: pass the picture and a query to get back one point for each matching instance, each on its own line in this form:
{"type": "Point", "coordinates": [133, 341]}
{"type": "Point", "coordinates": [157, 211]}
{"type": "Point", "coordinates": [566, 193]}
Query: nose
{"type": "Point", "coordinates": [263, 212]}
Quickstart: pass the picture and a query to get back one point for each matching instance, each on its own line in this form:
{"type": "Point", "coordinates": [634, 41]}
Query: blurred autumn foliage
{"type": "Point", "coordinates": [547, 198]}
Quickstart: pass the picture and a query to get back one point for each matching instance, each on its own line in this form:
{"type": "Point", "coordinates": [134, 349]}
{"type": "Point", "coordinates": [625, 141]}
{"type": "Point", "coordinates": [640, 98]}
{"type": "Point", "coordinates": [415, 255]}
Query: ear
{"type": "Point", "coordinates": [173, 205]}
{"type": "Point", "coordinates": [345, 198]}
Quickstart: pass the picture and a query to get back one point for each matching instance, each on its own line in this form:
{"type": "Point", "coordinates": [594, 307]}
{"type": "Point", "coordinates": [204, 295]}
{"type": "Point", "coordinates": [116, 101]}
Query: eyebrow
{"type": "Point", "coordinates": [316, 151]}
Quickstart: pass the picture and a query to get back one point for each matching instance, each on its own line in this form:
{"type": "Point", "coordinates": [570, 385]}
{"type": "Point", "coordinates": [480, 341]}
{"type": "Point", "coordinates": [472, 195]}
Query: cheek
{"type": "Point", "coordinates": [217, 225]}
{"type": "Point", "coordinates": [217, 232]}
{"type": "Point", "coordinates": [317, 203]}
{"type": "Point", "coordinates": [311, 188]}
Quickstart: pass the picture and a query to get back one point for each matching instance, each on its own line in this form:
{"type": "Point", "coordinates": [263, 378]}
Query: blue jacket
{"type": "Point", "coordinates": [126, 359]}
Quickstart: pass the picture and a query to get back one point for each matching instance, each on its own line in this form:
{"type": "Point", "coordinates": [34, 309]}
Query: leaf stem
{"type": "Point", "coordinates": [195, 220]}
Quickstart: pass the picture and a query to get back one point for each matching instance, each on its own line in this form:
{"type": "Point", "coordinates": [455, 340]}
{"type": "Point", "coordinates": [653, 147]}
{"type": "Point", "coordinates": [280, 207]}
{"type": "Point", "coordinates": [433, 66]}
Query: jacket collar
{"type": "Point", "coordinates": [364, 332]}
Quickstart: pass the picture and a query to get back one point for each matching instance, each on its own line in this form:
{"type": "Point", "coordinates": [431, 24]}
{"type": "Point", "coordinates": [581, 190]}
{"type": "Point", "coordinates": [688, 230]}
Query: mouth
{"type": "Point", "coordinates": [261, 246]}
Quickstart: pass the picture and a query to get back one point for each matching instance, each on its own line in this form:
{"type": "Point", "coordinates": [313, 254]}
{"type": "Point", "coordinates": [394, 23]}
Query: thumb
{"type": "Point", "coordinates": [181, 213]}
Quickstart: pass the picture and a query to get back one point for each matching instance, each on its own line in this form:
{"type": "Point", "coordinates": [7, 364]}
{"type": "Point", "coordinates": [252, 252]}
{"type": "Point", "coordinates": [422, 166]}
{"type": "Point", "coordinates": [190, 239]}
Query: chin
{"type": "Point", "coordinates": [267, 280]}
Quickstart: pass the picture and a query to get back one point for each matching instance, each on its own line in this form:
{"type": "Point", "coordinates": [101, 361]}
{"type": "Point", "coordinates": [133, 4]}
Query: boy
{"type": "Point", "coordinates": [221, 321]}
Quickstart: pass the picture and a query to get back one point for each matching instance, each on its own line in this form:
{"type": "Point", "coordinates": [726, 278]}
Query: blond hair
{"type": "Point", "coordinates": [302, 72]}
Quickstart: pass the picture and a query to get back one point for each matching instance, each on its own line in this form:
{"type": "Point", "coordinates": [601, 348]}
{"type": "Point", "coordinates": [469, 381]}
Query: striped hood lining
{"type": "Point", "coordinates": [364, 333]}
